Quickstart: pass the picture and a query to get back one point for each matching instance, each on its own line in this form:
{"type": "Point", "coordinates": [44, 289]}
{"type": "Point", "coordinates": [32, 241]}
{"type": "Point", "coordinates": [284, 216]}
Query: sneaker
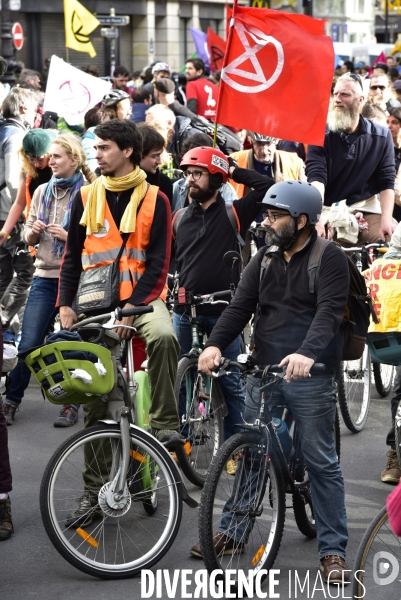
{"type": "Point", "coordinates": [335, 570]}
{"type": "Point", "coordinates": [168, 437]}
{"type": "Point", "coordinates": [232, 464]}
{"type": "Point", "coordinates": [6, 522]}
{"type": "Point", "coordinates": [222, 544]}
{"type": "Point", "coordinates": [88, 510]}
{"type": "Point", "coordinates": [9, 413]}
{"type": "Point", "coordinates": [392, 472]}
{"type": "Point", "coordinates": [68, 416]}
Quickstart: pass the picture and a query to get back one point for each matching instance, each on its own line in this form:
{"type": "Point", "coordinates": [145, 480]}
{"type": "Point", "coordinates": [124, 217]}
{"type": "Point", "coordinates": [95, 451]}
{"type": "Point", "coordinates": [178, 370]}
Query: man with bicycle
{"type": "Point", "coordinates": [203, 236]}
{"type": "Point", "coordinates": [121, 204]}
{"type": "Point", "coordinates": [296, 328]}
{"type": "Point", "coordinates": [355, 164]}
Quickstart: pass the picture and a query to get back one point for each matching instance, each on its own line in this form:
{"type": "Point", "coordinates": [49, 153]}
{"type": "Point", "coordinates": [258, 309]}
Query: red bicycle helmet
{"type": "Point", "coordinates": [211, 159]}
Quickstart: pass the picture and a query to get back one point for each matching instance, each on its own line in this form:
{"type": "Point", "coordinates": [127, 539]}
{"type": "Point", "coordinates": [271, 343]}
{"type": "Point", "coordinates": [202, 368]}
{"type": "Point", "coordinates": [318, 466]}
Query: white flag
{"type": "Point", "coordinates": [71, 93]}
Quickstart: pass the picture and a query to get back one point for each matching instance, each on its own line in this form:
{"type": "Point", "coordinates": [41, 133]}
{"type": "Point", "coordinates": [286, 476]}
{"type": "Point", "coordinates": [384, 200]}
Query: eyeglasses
{"type": "Point", "coordinates": [272, 217]}
{"type": "Point", "coordinates": [378, 87]}
{"type": "Point", "coordinates": [157, 156]}
{"type": "Point", "coordinates": [357, 78]}
{"type": "Point", "coordinates": [196, 175]}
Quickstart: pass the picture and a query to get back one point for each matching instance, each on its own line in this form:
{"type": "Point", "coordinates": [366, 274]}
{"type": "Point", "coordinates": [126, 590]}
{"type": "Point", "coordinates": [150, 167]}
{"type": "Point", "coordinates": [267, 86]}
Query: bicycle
{"type": "Point", "coordinates": [254, 501]}
{"type": "Point", "coordinates": [201, 402]}
{"type": "Point", "coordinates": [354, 377]}
{"type": "Point", "coordinates": [378, 562]}
{"type": "Point", "coordinates": [132, 488]}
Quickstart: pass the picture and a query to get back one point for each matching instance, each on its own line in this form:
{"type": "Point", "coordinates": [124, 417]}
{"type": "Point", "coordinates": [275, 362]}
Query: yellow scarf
{"type": "Point", "coordinates": [93, 216]}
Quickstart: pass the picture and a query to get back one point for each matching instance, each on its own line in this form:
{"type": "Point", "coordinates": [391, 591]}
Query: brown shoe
{"type": "Point", "coordinates": [335, 570]}
{"type": "Point", "coordinates": [222, 544]}
{"type": "Point", "coordinates": [6, 522]}
{"type": "Point", "coordinates": [392, 472]}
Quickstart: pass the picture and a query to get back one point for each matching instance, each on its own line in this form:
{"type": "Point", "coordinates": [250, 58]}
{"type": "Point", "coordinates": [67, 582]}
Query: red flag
{"type": "Point", "coordinates": [217, 49]}
{"type": "Point", "coordinates": [277, 75]}
{"type": "Point", "coordinates": [381, 58]}
{"type": "Point", "coordinates": [229, 15]}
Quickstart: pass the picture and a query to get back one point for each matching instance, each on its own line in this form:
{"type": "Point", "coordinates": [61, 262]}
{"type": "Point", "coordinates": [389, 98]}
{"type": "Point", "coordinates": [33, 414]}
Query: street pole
{"type": "Point", "coordinates": [386, 32]}
{"type": "Point", "coordinates": [112, 46]}
{"type": "Point", "coordinates": [7, 50]}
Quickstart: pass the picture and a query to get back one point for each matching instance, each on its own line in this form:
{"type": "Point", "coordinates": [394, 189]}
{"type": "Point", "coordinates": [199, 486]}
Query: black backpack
{"type": "Point", "coordinates": [226, 139]}
{"type": "Point", "coordinates": [359, 307]}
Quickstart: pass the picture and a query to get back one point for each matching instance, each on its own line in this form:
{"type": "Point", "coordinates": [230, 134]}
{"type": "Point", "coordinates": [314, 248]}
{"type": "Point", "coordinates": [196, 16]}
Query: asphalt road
{"type": "Point", "coordinates": [31, 568]}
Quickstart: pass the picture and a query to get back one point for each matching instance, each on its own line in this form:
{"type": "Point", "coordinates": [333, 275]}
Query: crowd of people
{"type": "Point", "coordinates": [74, 198]}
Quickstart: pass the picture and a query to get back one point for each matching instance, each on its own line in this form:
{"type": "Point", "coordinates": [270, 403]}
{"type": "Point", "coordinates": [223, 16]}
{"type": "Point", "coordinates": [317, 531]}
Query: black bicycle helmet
{"type": "Point", "coordinates": [113, 98]}
{"type": "Point", "coordinates": [298, 197]}
{"type": "Point", "coordinates": [260, 137]}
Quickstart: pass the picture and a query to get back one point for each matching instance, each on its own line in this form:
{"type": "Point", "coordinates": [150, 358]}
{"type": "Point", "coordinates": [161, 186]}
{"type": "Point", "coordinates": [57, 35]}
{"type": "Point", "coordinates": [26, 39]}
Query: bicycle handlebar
{"type": "Point", "coordinates": [246, 367]}
{"type": "Point", "coordinates": [118, 314]}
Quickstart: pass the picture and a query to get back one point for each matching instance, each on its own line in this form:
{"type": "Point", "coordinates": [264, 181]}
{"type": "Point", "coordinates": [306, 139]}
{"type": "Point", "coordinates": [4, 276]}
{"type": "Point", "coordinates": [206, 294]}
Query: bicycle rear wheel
{"type": "Point", "coordinates": [253, 503]}
{"type": "Point", "coordinates": [354, 387]}
{"type": "Point", "coordinates": [378, 562]}
{"type": "Point", "coordinates": [201, 406]}
{"type": "Point", "coordinates": [383, 376]}
{"type": "Point", "coordinates": [104, 541]}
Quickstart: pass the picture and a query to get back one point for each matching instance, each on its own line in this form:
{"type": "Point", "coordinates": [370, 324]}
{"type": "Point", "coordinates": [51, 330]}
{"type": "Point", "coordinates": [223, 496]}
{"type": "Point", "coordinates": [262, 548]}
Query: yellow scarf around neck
{"type": "Point", "coordinates": [93, 216]}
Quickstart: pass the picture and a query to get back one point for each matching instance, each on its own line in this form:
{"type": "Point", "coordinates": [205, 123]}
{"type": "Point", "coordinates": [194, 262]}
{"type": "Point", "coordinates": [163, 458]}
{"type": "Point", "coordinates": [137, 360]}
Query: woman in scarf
{"type": "Point", "coordinates": [46, 228]}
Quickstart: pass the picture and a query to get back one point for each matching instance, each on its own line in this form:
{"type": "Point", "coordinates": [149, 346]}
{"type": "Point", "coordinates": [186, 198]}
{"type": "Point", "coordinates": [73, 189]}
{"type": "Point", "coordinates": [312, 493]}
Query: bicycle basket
{"type": "Point", "coordinates": [385, 347]}
{"type": "Point", "coordinates": [53, 372]}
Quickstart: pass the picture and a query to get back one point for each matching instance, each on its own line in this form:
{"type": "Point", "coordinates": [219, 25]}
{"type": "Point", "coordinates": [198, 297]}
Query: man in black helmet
{"type": "Point", "coordinates": [117, 104]}
{"type": "Point", "coordinates": [295, 327]}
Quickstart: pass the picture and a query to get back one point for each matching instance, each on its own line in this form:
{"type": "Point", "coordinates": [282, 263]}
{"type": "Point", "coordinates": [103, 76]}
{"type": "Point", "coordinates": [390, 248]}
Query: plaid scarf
{"type": "Point", "coordinates": [74, 184]}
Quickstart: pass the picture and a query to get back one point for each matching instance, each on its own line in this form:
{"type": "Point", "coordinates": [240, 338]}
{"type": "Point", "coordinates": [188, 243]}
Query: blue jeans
{"type": "Point", "coordinates": [39, 315]}
{"type": "Point", "coordinates": [312, 402]}
{"type": "Point", "coordinates": [231, 386]}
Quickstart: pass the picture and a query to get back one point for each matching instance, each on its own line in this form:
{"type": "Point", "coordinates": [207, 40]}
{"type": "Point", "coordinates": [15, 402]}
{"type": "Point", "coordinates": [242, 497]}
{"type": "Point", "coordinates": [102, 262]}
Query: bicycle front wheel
{"type": "Point", "coordinates": [383, 376]}
{"type": "Point", "coordinates": [378, 562]}
{"type": "Point", "coordinates": [104, 541]}
{"type": "Point", "coordinates": [354, 386]}
{"type": "Point", "coordinates": [248, 509]}
{"type": "Point", "coordinates": [201, 406]}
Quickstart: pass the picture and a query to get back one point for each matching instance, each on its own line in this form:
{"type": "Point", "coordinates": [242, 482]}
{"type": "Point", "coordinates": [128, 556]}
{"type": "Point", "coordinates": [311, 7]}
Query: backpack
{"type": "Point", "coordinates": [226, 139]}
{"type": "Point", "coordinates": [232, 217]}
{"type": "Point", "coordinates": [358, 309]}
{"type": "Point", "coordinates": [3, 124]}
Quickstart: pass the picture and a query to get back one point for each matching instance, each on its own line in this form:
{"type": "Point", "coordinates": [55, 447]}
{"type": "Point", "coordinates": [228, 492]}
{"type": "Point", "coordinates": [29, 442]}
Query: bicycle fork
{"type": "Point", "coordinates": [118, 495]}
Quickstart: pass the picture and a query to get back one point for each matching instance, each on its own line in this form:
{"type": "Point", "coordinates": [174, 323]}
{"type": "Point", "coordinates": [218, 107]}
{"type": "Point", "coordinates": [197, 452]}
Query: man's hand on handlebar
{"type": "Point", "coordinates": [209, 360]}
{"type": "Point", "coordinates": [68, 317]}
{"type": "Point", "coordinates": [298, 366]}
{"type": "Point", "coordinates": [125, 334]}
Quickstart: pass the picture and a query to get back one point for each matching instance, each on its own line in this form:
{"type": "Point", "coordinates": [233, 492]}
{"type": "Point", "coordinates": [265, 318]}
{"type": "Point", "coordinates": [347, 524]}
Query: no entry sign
{"type": "Point", "coordinates": [18, 36]}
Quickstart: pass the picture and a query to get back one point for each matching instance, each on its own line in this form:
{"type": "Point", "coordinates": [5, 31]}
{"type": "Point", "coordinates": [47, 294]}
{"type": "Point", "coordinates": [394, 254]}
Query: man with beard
{"type": "Point", "coordinates": [355, 163]}
{"type": "Point", "coordinates": [204, 234]}
{"type": "Point", "coordinates": [295, 328]}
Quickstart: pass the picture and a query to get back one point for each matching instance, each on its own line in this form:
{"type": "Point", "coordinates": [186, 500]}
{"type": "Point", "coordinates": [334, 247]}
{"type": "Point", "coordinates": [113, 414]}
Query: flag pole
{"type": "Point", "coordinates": [235, 4]}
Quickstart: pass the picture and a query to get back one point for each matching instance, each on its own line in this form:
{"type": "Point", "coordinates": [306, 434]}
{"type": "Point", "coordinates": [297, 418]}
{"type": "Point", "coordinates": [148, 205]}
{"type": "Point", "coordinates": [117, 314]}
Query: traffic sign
{"type": "Point", "coordinates": [109, 20]}
{"type": "Point", "coordinates": [18, 36]}
{"type": "Point", "coordinates": [109, 32]}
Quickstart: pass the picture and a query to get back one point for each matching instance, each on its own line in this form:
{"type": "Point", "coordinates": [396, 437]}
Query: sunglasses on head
{"type": "Point", "coordinates": [357, 78]}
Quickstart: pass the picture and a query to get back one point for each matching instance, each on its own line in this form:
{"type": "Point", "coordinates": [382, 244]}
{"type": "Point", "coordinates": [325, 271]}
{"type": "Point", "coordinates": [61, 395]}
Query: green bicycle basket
{"type": "Point", "coordinates": [53, 372]}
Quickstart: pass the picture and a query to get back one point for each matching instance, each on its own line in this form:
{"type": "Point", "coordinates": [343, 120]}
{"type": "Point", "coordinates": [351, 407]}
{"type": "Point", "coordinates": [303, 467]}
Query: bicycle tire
{"type": "Point", "coordinates": [383, 376]}
{"type": "Point", "coordinates": [379, 550]}
{"type": "Point", "coordinates": [204, 432]}
{"type": "Point", "coordinates": [337, 434]}
{"type": "Point", "coordinates": [302, 498]}
{"type": "Point", "coordinates": [354, 388]}
{"type": "Point", "coordinates": [113, 546]}
{"type": "Point", "coordinates": [265, 530]}
{"type": "Point", "coordinates": [397, 432]}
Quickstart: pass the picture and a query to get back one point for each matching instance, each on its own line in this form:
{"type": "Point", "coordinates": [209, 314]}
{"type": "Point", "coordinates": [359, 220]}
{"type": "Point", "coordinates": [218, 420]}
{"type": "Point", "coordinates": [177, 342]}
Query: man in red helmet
{"type": "Point", "coordinates": [204, 232]}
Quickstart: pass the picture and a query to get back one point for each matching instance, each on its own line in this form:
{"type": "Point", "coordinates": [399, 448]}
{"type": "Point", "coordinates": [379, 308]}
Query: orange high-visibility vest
{"type": "Point", "coordinates": [102, 248]}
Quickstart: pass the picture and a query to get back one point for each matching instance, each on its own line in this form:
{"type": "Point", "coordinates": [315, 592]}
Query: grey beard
{"type": "Point", "coordinates": [342, 120]}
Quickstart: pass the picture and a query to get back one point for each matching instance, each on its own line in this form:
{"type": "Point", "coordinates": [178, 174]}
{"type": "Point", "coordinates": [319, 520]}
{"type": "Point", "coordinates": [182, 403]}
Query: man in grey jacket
{"type": "Point", "coordinates": [19, 109]}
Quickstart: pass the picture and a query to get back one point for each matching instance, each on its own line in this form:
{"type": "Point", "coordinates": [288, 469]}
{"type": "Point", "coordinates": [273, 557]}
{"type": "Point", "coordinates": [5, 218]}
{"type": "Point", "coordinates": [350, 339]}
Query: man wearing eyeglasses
{"type": "Point", "coordinates": [380, 92]}
{"type": "Point", "coordinates": [355, 164]}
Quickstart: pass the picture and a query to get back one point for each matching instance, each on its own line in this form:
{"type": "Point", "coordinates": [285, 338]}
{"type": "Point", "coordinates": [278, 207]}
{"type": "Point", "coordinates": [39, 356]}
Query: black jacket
{"type": "Point", "coordinates": [204, 236]}
{"type": "Point", "coordinates": [353, 171]}
{"type": "Point", "coordinates": [291, 319]}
